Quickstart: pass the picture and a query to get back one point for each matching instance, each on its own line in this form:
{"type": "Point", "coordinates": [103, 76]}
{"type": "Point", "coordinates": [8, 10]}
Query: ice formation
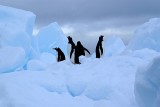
{"type": "Point", "coordinates": [11, 58]}
{"type": "Point", "coordinates": [99, 83]}
{"type": "Point", "coordinates": [16, 27]}
{"type": "Point", "coordinates": [50, 37]}
{"type": "Point", "coordinates": [113, 46]}
{"type": "Point", "coordinates": [147, 84]}
{"type": "Point", "coordinates": [147, 36]}
{"type": "Point", "coordinates": [15, 32]}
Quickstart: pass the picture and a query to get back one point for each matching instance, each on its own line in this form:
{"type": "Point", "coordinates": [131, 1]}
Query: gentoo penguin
{"type": "Point", "coordinates": [99, 48]}
{"type": "Point", "coordinates": [81, 49]}
{"type": "Point", "coordinates": [71, 49]}
{"type": "Point", "coordinates": [61, 55]}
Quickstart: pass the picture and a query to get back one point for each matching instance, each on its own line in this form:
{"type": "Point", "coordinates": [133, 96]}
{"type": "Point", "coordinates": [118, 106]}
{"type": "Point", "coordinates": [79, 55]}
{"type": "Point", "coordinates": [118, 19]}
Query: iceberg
{"type": "Point", "coordinates": [113, 46]}
{"type": "Point", "coordinates": [147, 84]}
{"type": "Point", "coordinates": [50, 37]}
{"type": "Point", "coordinates": [11, 58]}
{"type": "Point", "coordinates": [16, 27]}
{"type": "Point", "coordinates": [147, 36]}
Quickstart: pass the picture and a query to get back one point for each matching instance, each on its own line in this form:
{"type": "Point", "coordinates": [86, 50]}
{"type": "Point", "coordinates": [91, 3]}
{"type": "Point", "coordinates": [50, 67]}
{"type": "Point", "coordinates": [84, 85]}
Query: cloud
{"type": "Point", "coordinates": [82, 18]}
{"type": "Point", "coordinates": [68, 30]}
{"type": "Point", "coordinates": [69, 11]}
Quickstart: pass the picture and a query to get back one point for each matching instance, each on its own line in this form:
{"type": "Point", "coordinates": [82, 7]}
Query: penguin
{"type": "Point", "coordinates": [81, 49]}
{"type": "Point", "coordinates": [61, 55]}
{"type": "Point", "coordinates": [99, 48]}
{"type": "Point", "coordinates": [76, 56]}
{"type": "Point", "coordinates": [76, 50]}
{"type": "Point", "coordinates": [72, 46]}
{"type": "Point", "coordinates": [71, 49]}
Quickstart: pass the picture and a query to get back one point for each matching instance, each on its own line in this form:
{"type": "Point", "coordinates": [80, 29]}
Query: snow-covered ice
{"type": "Point", "coordinates": [147, 36]}
{"type": "Point", "coordinates": [113, 46]}
{"type": "Point", "coordinates": [147, 84]}
{"type": "Point", "coordinates": [11, 58]}
{"type": "Point", "coordinates": [94, 83]}
{"type": "Point", "coordinates": [36, 65]}
{"type": "Point", "coordinates": [50, 37]}
{"type": "Point", "coordinates": [48, 58]}
{"type": "Point", "coordinates": [16, 27]}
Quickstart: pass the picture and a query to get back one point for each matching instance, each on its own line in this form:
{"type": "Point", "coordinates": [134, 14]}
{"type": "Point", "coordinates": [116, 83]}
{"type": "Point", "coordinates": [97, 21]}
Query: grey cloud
{"type": "Point", "coordinates": [65, 11]}
{"type": "Point", "coordinates": [87, 16]}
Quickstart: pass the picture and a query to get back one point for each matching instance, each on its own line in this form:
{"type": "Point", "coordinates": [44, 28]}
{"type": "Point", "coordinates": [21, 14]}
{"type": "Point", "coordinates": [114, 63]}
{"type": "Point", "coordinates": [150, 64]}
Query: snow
{"type": "Point", "coordinates": [36, 65]}
{"type": "Point", "coordinates": [147, 36]}
{"type": "Point", "coordinates": [50, 37]}
{"type": "Point", "coordinates": [147, 84]}
{"type": "Point", "coordinates": [11, 58]}
{"type": "Point", "coordinates": [145, 54]}
{"type": "Point", "coordinates": [74, 84]}
{"type": "Point", "coordinates": [30, 76]}
{"type": "Point", "coordinates": [48, 58]}
{"type": "Point", "coordinates": [113, 46]}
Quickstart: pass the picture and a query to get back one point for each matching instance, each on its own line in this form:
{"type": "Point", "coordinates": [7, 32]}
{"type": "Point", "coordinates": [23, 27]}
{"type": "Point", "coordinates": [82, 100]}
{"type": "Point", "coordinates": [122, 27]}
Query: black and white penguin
{"type": "Point", "coordinates": [61, 55]}
{"type": "Point", "coordinates": [71, 49]}
{"type": "Point", "coordinates": [99, 48]}
{"type": "Point", "coordinates": [81, 49]}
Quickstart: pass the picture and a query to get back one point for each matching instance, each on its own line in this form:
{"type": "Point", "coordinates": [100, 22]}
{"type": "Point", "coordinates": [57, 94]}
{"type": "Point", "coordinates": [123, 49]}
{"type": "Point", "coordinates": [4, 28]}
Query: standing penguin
{"type": "Point", "coordinates": [61, 55]}
{"type": "Point", "coordinates": [73, 46]}
{"type": "Point", "coordinates": [99, 48]}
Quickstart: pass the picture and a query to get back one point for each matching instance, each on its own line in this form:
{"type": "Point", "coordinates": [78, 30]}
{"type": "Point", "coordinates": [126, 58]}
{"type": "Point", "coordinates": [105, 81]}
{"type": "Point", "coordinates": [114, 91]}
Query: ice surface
{"type": "Point", "coordinates": [94, 83]}
{"type": "Point", "coordinates": [35, 54]}
{"type": "Point", "coordinates": [50, 37]}
{"type": "Point", "coordinates": [42, 62]}
{"type": "Point", "coordinates": [147, 36]}
{"type": "Point", "coordinates": [36, 65]}
{"type": "Point", "coordinates": [113, 46]}
{"type": "Point", "coordinates": [147, 84]}
{"type": "Point", "coordinates": [145, 54]}
{"type": "Point", "coordinates": [98, 90]}
{"type": "Point", "coordinates": [76, 88]}
{"type": "Point", "coordinates": [48, 58]}
{"type": "Point", "coordinates": [11, 58]}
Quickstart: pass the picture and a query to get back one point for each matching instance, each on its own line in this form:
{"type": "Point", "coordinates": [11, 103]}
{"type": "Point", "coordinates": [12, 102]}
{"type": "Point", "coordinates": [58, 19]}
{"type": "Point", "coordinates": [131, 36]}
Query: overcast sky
{"type": "Point", "coordinates": [91, 18]}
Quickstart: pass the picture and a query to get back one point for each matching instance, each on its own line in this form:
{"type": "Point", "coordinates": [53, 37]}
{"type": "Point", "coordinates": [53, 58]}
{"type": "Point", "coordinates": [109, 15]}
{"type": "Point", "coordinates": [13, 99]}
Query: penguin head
{"type": "Point", "coordinates": [101, 38]}
{"type": "Point", "coordinates": [57, 49]}
{"type": "Point", "coordinates": [78, 43]}
{"type": "Point", "coordinates": [70, 39]}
